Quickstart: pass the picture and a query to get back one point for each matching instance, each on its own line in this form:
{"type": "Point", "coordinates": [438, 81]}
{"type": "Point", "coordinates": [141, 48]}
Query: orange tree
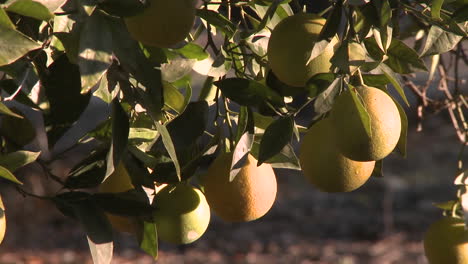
{"type": "Point", "coordinates": [158, 89]}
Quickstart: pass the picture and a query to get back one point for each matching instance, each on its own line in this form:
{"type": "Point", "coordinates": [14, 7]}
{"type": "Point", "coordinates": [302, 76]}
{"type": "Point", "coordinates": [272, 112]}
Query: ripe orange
{"type": "Point", "coordinates": [325, 167]}
{"type": "Point", "coordinates": [248, 197]}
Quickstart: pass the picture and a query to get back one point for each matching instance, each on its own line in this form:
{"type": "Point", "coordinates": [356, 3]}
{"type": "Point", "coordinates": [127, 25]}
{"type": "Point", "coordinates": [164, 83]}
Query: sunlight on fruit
{"type": "Point", "coordinates": [385, 124]}
{"type": "Point", "coordinates": [325, 167]}
{"type": "Point", "coordinates": [446, 241]}
{"type": "Point", "coordinates": [248, 197]}
{"type": "Point", "coordinates": [182, 214]}
{"type": "Point", "coordinates": [2, 221]}
{"type": "Point", "coordinates": [164, 23]}
{"type": "Point", "coordinates": [290, 47]}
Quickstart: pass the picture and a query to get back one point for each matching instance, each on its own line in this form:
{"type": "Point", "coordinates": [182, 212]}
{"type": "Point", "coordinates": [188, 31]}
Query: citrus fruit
{"type": "Point", "coordinates": [2, 220]}
{"type": "Point", "coordinates": [163, 23]}
{"type": "Point", "coordinates": [248, 197]}
{"type": "Point", "coordinates": [182, 214]}
{"type": "Point", "coordinates": [290, 46]}
{"type": "Point", "coordinates": [325, 167]}
{"type": "Point", "coordinates": [119, 181]}
{"type": "Point", "coordinates": [385, 123]}
{"type": "Point", "coordinates": [446, 241]}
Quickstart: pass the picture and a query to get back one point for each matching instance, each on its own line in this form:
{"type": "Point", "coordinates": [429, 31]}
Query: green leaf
{"type": "Point", "coordinates": [132, 59]}
{"type": "Point", "coordinates": [241, 122]}
{"type": "Point", "coordinates": [373, 49]}
{"type": "Point", "coordinates": [189, 126]}
{"type": "Point", "coordinates": [365, 18]}
{"type": "Point", "coordinates": [86, 176]}
{"type": "Point", "coordinates": [276, 137]}
{"type": "Point", "coordinates": [439, 41]}
{"type": "Point", "coordinates": [319, 82]}
{"type": "Point", "coordinates": [401, 145]}
{"type": "Point", "coordinates": [15, 160]}
{"type": "Point", "coordinates": [340, 58]}
{"type": "Point", "coordinates": [173, 99]}
{"type": "Point", "coordinates": [325, 99]}
{"type": "Point", "coordinates": [217, 20]}
{"type": "Point", "coordinates": [394, 79]}
{"type": "Point", "coordinates": [436, 6]}
{"type": "Point", "coordinates": [98, 230]}
{"type": "Point", "coordinates": [95, 52]}
{"type": "Point", "coordinates": [6, 174]}
{"type": "Point", "coordinates": [5, 20]}
{"type": "Point", "coordinates": [62, 86]}
{"type": "Point", "coordinates": [363, 114]}
{"type": "Point", "coordinates": [130, 203]}
{"type": "Point", "coordinates": [248, 93]}
{"type": "Point", "coordinates": [10, 126]}
{"type": "Point", "coordinates": [169, 145]}
{"type": "Point", "coordinates": [375, 80]}
{"type": "Point", "coordinates": [123, 8]}
{"type": "Point", "coordinates": [385, 12]}
{"type": "Point", "coordinates": [30, 8]}
{"type": "Point", "coordinates": [6, 111]}
{"type": "Point", "coordinates": [149, 239]}
{"type": "Point", "coordinates": [240, 154]}
{"type": "Point", "coordinates": [14, 45]}
{"type": "Point", "coordinates": [333, 22]}
{"type": "Point", "coordinates": [286, 159]}
{"type": "Point", "coordinates": [378, 169]}
{"type": "Point", "coordinates": [138, 135]}
{"type": "Point", "coordinates": [120, 131]}
{"type": "Point", "coordinates": [403, 59]}
{"type": "Point", "coordinates": [193, 51]}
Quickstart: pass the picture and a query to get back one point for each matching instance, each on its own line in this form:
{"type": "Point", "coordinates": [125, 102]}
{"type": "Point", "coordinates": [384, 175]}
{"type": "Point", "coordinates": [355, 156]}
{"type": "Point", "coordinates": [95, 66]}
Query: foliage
{"type": "Point", "coordinates": [61, 58]}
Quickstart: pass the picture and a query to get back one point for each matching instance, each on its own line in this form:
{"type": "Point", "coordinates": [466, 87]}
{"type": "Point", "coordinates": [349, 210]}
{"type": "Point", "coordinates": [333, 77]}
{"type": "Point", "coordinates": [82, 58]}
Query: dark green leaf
{"type": "Point", "coordinates": [120, 131]}
{"type": "Point", "coordinates": [217, 20]}
{"type": "Point", "coordinates": [340, 58]}
{"type": "Point", "coordinates": [401, 145]}
{"type": "Point", "coordinates": [123, 8]}
{"type": "Point", "coordinates": [14, 45]}
{"type": "Point", "coordinates": [6, 174]}
{"type": "Point", "coordinates": [373, 49]}
{"type": "Point", "coordinates": [319, 83]}
{"type": "Point", "coordinates": [130, 203]}
{"type": "Point", "coordinates": [248, 93]}
{"type": "Point", "coordinates": [10, 126]}
{"type": "Point", "coordinates": [63, 89]}
{"type": "Point", "coordinates": [403, 59]}
{"type": "Point", "coordinates": [241, 122]}
{"type": "Point", "coordinates": [333, 22]}
{"type": "Point", "coordinates": [378, 169]}
{"type": "Point", "coordinates": [87, 176]}
{"type": "Point", "coordinates": [276, 136]}
{"type": "Point", "coordinates": [15, 160]}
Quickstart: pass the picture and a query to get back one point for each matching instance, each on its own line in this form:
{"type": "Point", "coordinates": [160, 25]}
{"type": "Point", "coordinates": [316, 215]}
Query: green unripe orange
{"type": "Point", "coordinates": [182, 214]}
{"type": "Point", "coordinates": [325, 167]}
{"type": "Point", "coordinates": [290, 46]}
{"type": "Point", "coordinates": [446, 241]}
{"type": "Point", "coordinates": [248, 197]}
{"type": "Point", "coordinates": [385, 122]}
{"type": "Point", "coordinates": [163, 23]}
